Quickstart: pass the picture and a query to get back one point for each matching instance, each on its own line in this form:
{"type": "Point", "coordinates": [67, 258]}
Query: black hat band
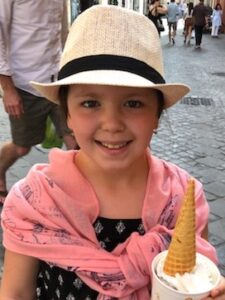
{"type": "Point", "coordinates": [110, 62]}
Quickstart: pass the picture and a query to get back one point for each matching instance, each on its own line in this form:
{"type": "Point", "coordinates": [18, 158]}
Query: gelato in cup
{"type": "Point", "coordinates": [194, 285]}
{"type": "Point", "coordinates": [180, 273]}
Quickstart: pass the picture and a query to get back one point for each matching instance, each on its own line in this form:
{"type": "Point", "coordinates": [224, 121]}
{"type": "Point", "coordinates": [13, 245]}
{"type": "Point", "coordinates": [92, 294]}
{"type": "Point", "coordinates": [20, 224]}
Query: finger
{"type": "Point", "coordinates": [16, 111]}
{"type": "Point", "coordinates": [6, 108]}
{"type": "Point", "coordinates": [19, 111]}
{"type": "Point", "coordinates": [13, 111]}
{"type": "Point", "coordinates": [216, 292]}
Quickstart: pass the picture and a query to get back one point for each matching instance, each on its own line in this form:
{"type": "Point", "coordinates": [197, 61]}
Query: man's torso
{"type": "Point", "coordinates": [172, 12]}
{"type": "Point", "coordinates": [199, 13]}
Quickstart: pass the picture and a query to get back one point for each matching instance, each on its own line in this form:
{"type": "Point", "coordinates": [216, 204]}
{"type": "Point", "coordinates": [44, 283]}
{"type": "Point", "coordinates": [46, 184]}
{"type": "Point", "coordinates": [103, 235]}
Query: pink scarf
{"type": "Point", "coordinates": [49, 215]}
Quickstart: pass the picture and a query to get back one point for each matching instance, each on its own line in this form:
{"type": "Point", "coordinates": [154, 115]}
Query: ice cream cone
{"type": "Point", "coordinates": [181, 255]}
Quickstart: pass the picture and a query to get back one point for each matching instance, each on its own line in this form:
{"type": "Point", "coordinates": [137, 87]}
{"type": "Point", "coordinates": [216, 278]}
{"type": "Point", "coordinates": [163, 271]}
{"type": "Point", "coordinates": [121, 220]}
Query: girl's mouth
{"type": "Point", "coordinates": [113, 146]}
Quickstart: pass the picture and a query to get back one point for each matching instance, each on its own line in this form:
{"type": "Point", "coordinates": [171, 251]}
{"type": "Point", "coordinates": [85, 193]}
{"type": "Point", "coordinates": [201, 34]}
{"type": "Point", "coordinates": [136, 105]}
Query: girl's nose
{"type": "Point", "coordinates": [112, 120]}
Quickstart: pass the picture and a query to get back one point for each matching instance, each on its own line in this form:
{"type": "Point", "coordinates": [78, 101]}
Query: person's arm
{"type": "Point", "coordinates": [151, 9]}
{"type": "Point", "coordinates": [206, 18]}
{"type": "Point", "coordinates": [11, 99]}
{"type": "Point", "coordinates": [178, 13]}
{"type": "Point", "coordinates": [162, 10]}
{"type": "Point", "coordinates": [185, 14]}
{"type": "Point", "coordinates": [6, 10]}
{"type": "Point", "coordinates": [19, 277]}
{"type": "Point", "coordinates": [65, 24]}
{"type": "Point", "coordinates": [193, 12]}
{"type": "Point", "coordinates": [206, 21]}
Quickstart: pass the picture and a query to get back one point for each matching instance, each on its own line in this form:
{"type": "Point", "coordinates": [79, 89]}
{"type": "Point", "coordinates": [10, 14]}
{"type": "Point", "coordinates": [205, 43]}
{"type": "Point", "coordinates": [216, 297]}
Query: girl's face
{"type": "Point", "coordinates": [112, 125]}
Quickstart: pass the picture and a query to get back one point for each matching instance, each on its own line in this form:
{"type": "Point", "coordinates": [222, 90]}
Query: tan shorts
{"type": "Point", "coordinates": [29, 129]}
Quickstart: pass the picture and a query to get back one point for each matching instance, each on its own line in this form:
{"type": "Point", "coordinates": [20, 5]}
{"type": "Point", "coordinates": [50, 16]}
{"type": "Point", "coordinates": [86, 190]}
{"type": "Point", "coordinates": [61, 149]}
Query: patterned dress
{"type": "Point", "coordinates": [55, 283]}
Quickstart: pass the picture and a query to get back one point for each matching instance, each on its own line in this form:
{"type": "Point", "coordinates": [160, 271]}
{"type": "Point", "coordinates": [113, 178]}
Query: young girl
{"type": "Point", "coordinates": [88, 224]}
{"type": "Point", "coordinates": [216, 20]}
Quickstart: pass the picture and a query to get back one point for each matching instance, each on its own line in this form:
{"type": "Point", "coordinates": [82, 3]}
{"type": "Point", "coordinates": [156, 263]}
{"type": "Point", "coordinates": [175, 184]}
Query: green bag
{"type": "Point", "coordinates": [51, 139]}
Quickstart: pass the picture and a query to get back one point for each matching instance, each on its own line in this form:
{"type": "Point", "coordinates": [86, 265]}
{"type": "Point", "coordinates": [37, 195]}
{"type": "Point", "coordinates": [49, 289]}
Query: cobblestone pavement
{"type": "Point", "coordinates": [191, 134]}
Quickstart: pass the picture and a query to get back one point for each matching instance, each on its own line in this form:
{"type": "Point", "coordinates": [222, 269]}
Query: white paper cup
{"type": "Point", "coordinates": [160, 291]}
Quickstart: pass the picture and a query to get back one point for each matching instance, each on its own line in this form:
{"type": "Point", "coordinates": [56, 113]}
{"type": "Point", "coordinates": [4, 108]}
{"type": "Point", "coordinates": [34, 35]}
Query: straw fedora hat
{"type": "Point", "coordinates": [110, 45]}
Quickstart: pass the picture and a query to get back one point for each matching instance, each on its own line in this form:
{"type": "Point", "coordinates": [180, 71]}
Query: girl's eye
{"type": "Point", "coordinates": [90, 103]}
{"type": "Point", "coordinates": [134, 104]}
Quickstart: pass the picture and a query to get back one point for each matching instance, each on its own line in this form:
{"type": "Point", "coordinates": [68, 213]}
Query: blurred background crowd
{"type": "Point", "coordinates": [77, 6]}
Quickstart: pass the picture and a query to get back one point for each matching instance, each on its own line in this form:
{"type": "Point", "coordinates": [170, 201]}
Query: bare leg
{"type": "Point", "coordinates": [9, 153]}
{"type": "Point", "coordinates": [173, 36]}
{"type": "Point", "coordinates": [174, 26]}
{"type": "Point", "coordinates": [174, 33]}
{"type": "Point", "coordinates": [189, 34]}
{"type": "Point", "coordinates": [185, 35]}
{"type": "Point", "coordinates": [170, 36]}
{"type": "Point", "coordinates": [169, 33]}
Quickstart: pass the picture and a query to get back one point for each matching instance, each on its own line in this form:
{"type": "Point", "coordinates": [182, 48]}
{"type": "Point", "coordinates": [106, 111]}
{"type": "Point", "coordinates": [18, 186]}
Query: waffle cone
{"type": "Point", "coordinates": [181, 256]}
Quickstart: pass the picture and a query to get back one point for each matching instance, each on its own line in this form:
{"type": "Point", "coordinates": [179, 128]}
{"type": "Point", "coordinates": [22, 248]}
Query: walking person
{"type": "Point", "coordinates": [172, 18]}
{"type": "Point", "coordinates": [93, 234]}
{"type": "Point", "coordinates": [155, 12]}
{"type": "Point", "coordinates": [182, 8]}
{"type": "Point", "coordinates": [188, 23]}
{"type": "Point", "coordinates": [32, 34]}
{"type": "Point", "coordinates": [200, 15]}
{"type": "Point", "coordinates": [216, 20]}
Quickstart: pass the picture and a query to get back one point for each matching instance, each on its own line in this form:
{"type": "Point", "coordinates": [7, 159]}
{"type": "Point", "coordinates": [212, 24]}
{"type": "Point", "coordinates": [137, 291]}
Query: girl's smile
{"type": "Point", "coordinates": [113, 125]}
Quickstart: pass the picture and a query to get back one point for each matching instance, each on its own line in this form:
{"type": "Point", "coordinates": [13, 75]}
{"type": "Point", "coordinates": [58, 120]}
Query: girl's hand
{"type": "Point", "coordinates": [219, 292]}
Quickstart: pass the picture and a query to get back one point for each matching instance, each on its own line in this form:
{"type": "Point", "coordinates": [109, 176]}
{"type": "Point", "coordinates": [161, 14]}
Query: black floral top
{"type": "Point", "coordinates": [55, 283]}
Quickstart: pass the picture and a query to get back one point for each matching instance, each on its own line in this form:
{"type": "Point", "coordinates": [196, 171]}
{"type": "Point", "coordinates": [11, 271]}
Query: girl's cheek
{"type": "Point", "coordinates": [69, 121]}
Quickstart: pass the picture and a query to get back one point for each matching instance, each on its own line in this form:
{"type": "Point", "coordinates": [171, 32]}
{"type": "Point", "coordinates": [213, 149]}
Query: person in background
{"type": "Point", "coordinates": [182, 8]}
{"type": "Point", "coordinates": [188, 23]}
{"type": "Point", "coordinates": [200, 15]}
{"type": "Point", "coordinates": [155, 12]}
{"type": "Point", "coordinates": [172, 18]}
{"type": "Point", "coordinates": [32, 34]}
{"type": "Point", "coordinates": [93, 234]}
{"type": "Point", "coordinates": [216, 20]}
